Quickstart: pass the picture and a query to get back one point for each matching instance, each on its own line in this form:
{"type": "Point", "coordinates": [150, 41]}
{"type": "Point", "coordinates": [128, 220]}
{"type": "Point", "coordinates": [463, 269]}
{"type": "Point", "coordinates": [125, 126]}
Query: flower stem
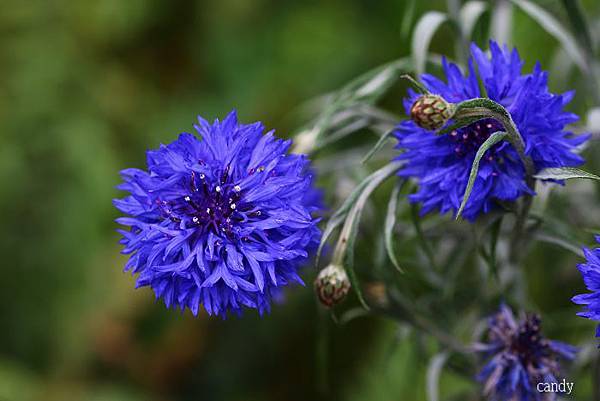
{"type": "Point", "coordinates": [487, 108]}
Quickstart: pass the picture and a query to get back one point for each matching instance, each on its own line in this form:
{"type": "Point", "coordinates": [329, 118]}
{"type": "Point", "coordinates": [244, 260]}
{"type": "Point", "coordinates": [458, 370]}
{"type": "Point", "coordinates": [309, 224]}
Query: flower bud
{"type": "Point", "coordinates": [431, 111]}
{"type": "Point", "coordinates": [332, 285]}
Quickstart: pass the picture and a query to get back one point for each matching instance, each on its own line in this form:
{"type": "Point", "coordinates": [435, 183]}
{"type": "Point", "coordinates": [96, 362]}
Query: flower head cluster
{"type": "Point", "coordinates": [222, 219]}
{"type": "Point", "coordinates": [591, 277]}
{"type": "Point", "coordinates": [442, 163]}
{"type": "Point", "coordinates": [519, 357]}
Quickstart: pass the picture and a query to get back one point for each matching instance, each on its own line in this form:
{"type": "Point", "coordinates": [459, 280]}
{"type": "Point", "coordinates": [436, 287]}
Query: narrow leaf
{"type": "Point", "coordinates": [561, 242]}
{"type": "Point", "coordinates": [375, 86]}
{"type": "Point", "coordinates": [390, 222]}
{"type": "Point", "coordinates": [416, 84]}
{"type": "Point", "coordinates": [554, 28]}
{"type": "Point", "coordinates": [344, 250]}
{"type": "Point", "coordinates": [564, 173]}
{"type": "Point", "coordinates": [425, 246]}
{"type": "Point", "coordinates": [423, 33]}
{"type": "Point", "coordinates": [579, 23]}
{"type": "Point", "coordinates": [349, 264]}
{"type": "Point", "coordinates": [340, 215]}
{"type": "Point", "coordinates": [470, 13]}
{"type": "Point", "coordinates": [371, 84]}
{"type": "Point", "coordinates": [494, 235]}
{"type": "Point", "coordinates": [434, 371]}
{"type": "Point", "coordinates": [491, 141]}
{"type": "Point", "coordinates": [377, 146]}
{"type": "Point", "coordinates": [593, 120]}
{"type": "Point", "coordinates": [502, 18]}
{"type": "Point", "coordinates": [478, 103]}
{"type": "Point", "coordinates": [407, 19]}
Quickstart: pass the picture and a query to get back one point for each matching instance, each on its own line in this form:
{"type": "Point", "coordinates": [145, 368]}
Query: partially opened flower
{"type": "Point", "coordinates": [591, 277]}
{"type": "Point", "coordinates": [520, 358]}
{"type": "Point", "coordinates": [441, 163]}
{"type": "Point", "coordinates": [222, 219]}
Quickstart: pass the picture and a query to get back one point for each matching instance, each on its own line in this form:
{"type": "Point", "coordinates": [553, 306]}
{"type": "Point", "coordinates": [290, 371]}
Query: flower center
{"type": "Point", "coordinates": [468, 139]}
{"type": "Point", "coordinates": [528, 342]}
{"type": "Point", "coordinates": [209, 206]}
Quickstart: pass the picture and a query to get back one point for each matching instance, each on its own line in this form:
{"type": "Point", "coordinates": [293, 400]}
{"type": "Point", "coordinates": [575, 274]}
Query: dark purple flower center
{"type": "Point", "coordinates": [527, 342]}
{"type": "Point", "coordinates": [209, 206]}
{"type": "Point", "coordinates": [468, 139]}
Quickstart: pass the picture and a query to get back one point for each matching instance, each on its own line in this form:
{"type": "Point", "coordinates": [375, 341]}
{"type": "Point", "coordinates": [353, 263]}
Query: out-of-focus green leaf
{"type": "Point", "coordinates": [17, 383]}
{"type": "Point", "coordinates": [340, 215]}
{"type": "Point", "coordinates": [494, 235]}
{"type": "Point", "coordinates": [342, 114]}
{"type": "Point", "coordinates": [491, 141]}
{"type": "Point", "coordinates": [434, 371]}
{"type": "Point", "coordinates": [407, 19]}
{"type": "Point", "coordinates": [390, 222]}
{"type": "Point", "coordinates": [423, 33]}
{"type": "Point", "coordinates": [470, 13]}
{"type": "Point", "coordinates": [501, 24]}
{"type": "Point", "coordinates": [579, 24]}
{"type": "Point", "coordinates": [348, 259]}
{"type": "Point", "coordinates": [344, 250]}
{"type": "Point", "coordinates": [382, 140]}
{"type": "Point", "coordinates": [593, 120]}
{"type": "Point", "coordinates": [560, 241]}
{"type": "Point", "coordinates": [564, 173]}
{"type": "Point", "coordinates": [554, 28]}
{"type": "Point", "coordinates": [415, 83]}
{"type": "Point", "coordinates": [416, 220]}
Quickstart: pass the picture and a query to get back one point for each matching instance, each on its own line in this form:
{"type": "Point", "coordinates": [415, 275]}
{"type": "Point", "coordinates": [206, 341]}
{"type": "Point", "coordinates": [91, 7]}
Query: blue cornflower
{"type": "Point", "coordinates": [520, 358]}
{"type": "Point", "coordinates": [221, 219]}
{"type": "Point", "coordinates": [591, 277]}
{"type": "Point", "coordinates": [441, 163]}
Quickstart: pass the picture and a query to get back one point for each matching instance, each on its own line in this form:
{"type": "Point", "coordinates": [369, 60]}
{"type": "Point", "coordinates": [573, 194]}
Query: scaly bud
{"type": "Point", "coordinates": [332, 285]}
{"type": "Point", "coordinates": [431, 112]}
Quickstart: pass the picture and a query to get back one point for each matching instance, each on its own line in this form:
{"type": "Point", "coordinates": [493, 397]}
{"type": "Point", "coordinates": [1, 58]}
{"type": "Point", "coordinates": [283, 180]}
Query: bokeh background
{"type": "Point", "coordinates": [85, 88]}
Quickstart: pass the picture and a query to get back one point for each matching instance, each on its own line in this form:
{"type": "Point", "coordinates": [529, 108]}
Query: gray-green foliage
{"type": "Point", "coordinates": [87, 87]}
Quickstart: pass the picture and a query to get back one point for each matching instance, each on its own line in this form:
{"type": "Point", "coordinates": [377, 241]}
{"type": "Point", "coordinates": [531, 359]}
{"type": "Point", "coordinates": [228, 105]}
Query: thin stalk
{"type": "Point", "coordinates": [342, 244]}
{"type": "Point", "coordinates": [516, 140]}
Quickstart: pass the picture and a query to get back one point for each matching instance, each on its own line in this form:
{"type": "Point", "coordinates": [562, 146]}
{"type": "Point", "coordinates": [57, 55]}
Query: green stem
{"type": "Point", "coordinates": [514, 137]}
{"type": "Point", "coordinates": [487, 108]}
{"type": "Point", "coordinates": [342, 244]}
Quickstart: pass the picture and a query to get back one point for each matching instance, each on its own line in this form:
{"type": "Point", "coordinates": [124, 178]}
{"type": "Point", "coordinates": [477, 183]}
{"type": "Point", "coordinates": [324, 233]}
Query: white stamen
{"type": "Point", "coordinates": [232, 206]}
{"type": "Point", "coordinates": [237, 188]}
{"type": "Point", "coordinates": [218, 188]}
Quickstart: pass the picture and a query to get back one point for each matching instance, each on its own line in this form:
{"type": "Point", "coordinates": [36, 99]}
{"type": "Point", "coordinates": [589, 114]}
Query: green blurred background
{"type": "Point", "coordinates": [86, 87]}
